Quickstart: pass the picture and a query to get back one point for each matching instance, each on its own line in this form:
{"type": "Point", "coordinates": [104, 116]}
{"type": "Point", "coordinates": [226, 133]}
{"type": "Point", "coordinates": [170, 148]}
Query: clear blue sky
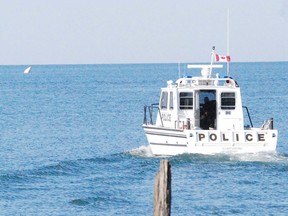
{"type": "Point", "coordinates": [140, 31]}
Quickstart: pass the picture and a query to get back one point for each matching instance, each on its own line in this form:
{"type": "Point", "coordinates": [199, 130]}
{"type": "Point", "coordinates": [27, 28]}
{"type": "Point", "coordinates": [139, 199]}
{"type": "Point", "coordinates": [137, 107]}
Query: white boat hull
{"type": "Point", "coordinates": [165, 141]}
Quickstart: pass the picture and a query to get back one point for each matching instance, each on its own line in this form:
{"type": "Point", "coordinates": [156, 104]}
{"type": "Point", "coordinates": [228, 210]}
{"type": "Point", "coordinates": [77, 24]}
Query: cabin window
{"type": "Point", "coordinates": [171, 101]}
{"type": "Point", "coordinates": [186, 100]}
{"type": "Point", "coordinates": [164, 100]}
{"type": "Point", "coordinates": [228, 100]}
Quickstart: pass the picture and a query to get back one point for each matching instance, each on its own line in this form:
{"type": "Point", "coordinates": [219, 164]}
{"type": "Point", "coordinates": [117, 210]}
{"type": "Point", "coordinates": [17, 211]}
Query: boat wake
{"type": "Point", "coordinates": [142, 151]}
{"type": "Point", "coordinates": [257, 157]}
{"type": "Point", "coordinates": [145, 151]}
{"type": "Point", "coordinates": [261, 157]}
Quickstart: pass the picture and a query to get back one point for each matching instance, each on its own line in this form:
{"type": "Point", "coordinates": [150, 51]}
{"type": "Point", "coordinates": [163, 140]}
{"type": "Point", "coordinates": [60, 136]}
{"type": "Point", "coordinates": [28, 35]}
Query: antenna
{"type": "Point", "coordinates": [179, 69]}
{"type": "Point", "coordinates": [228, 36]}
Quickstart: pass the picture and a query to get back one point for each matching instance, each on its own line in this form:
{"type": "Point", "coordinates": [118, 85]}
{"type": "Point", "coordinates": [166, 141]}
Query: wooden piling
{"type": "Point", "coordinates": [162, 190]}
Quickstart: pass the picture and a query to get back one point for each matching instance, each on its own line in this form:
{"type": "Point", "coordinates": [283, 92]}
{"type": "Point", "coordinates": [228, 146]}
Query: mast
{"type": "Point", "coordinates": [228, 36]}
{"type": "Point", "coordinates": [211, 64]}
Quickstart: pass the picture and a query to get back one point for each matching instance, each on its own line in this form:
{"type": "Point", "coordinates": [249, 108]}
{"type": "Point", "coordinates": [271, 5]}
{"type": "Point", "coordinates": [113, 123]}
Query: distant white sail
{"type": "Point", "coordinates": [27, 70]}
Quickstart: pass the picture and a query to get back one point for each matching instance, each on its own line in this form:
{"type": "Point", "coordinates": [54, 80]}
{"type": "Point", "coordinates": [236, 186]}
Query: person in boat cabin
{"type": "Point", "coordinates": [207, 115]}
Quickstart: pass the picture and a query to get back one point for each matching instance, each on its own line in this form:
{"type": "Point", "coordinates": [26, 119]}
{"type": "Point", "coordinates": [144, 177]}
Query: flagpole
{"type": "Point", "coordinates": [228, 41]}
{"type": "Point", "coordinates": [179, 73]}
{"type": "Point", "coordinates": [211, 64]}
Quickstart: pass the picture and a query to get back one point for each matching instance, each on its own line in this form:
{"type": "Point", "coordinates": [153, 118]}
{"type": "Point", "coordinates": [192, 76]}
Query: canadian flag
{"type": "Point", "coordinates": [220, 58]}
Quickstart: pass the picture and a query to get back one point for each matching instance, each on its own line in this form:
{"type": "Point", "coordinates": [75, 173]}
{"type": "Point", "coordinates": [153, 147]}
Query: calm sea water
{"type": "Point", "coordinates": [72, 144]}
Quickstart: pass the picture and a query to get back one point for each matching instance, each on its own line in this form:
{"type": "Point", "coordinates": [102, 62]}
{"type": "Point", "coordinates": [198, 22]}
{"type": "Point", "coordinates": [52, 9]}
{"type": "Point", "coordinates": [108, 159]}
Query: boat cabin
{"type": "Point", "coordinates": [201, 103]}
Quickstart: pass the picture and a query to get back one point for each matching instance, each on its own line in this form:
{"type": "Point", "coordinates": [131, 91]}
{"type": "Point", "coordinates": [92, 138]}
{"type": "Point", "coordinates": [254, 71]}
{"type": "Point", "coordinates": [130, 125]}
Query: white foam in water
{"type": "Point", "coordinates": [260, 157]}
{"type": "Point", "coordinates": [143, 151]}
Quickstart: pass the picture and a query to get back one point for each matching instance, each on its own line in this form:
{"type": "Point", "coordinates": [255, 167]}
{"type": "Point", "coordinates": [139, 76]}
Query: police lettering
{"type": "Point", "coordinates": [213, 137]}
{"type": "Point", "coordinates": [224, 138]}
{"type": "Point", "coordinates": [201, 136]}
{"type": "Point", "coordinates": [261, 137]}
{"type": "Point", "coordinates": [237, 137]}
{"type": "Point", "coordinates": [249, 137]}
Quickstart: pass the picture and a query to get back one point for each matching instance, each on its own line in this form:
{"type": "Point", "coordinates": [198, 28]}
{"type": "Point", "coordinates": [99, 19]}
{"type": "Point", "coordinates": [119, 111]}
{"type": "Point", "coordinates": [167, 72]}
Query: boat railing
{"type": "Point", "coordinates": [267, 124]}
{"type": "Point", "coordinates": [149, 110]}
{"type": "Point", "coordinates": [202, 81]}
{"type": "Point", "coordinates": [246, 108]}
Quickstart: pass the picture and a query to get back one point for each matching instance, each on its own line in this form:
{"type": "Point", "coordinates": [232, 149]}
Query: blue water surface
{"type": "Point", "coordinates": [72, 144]}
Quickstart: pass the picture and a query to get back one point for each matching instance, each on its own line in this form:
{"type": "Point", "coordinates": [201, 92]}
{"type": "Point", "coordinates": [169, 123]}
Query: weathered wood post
{"type": "Point", "coordinates": [162, 190]}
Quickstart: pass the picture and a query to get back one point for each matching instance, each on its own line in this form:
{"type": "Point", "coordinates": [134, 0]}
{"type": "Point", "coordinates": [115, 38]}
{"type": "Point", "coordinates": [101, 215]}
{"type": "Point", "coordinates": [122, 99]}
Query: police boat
{"type": "Point", "coordinates": [204, 115]}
